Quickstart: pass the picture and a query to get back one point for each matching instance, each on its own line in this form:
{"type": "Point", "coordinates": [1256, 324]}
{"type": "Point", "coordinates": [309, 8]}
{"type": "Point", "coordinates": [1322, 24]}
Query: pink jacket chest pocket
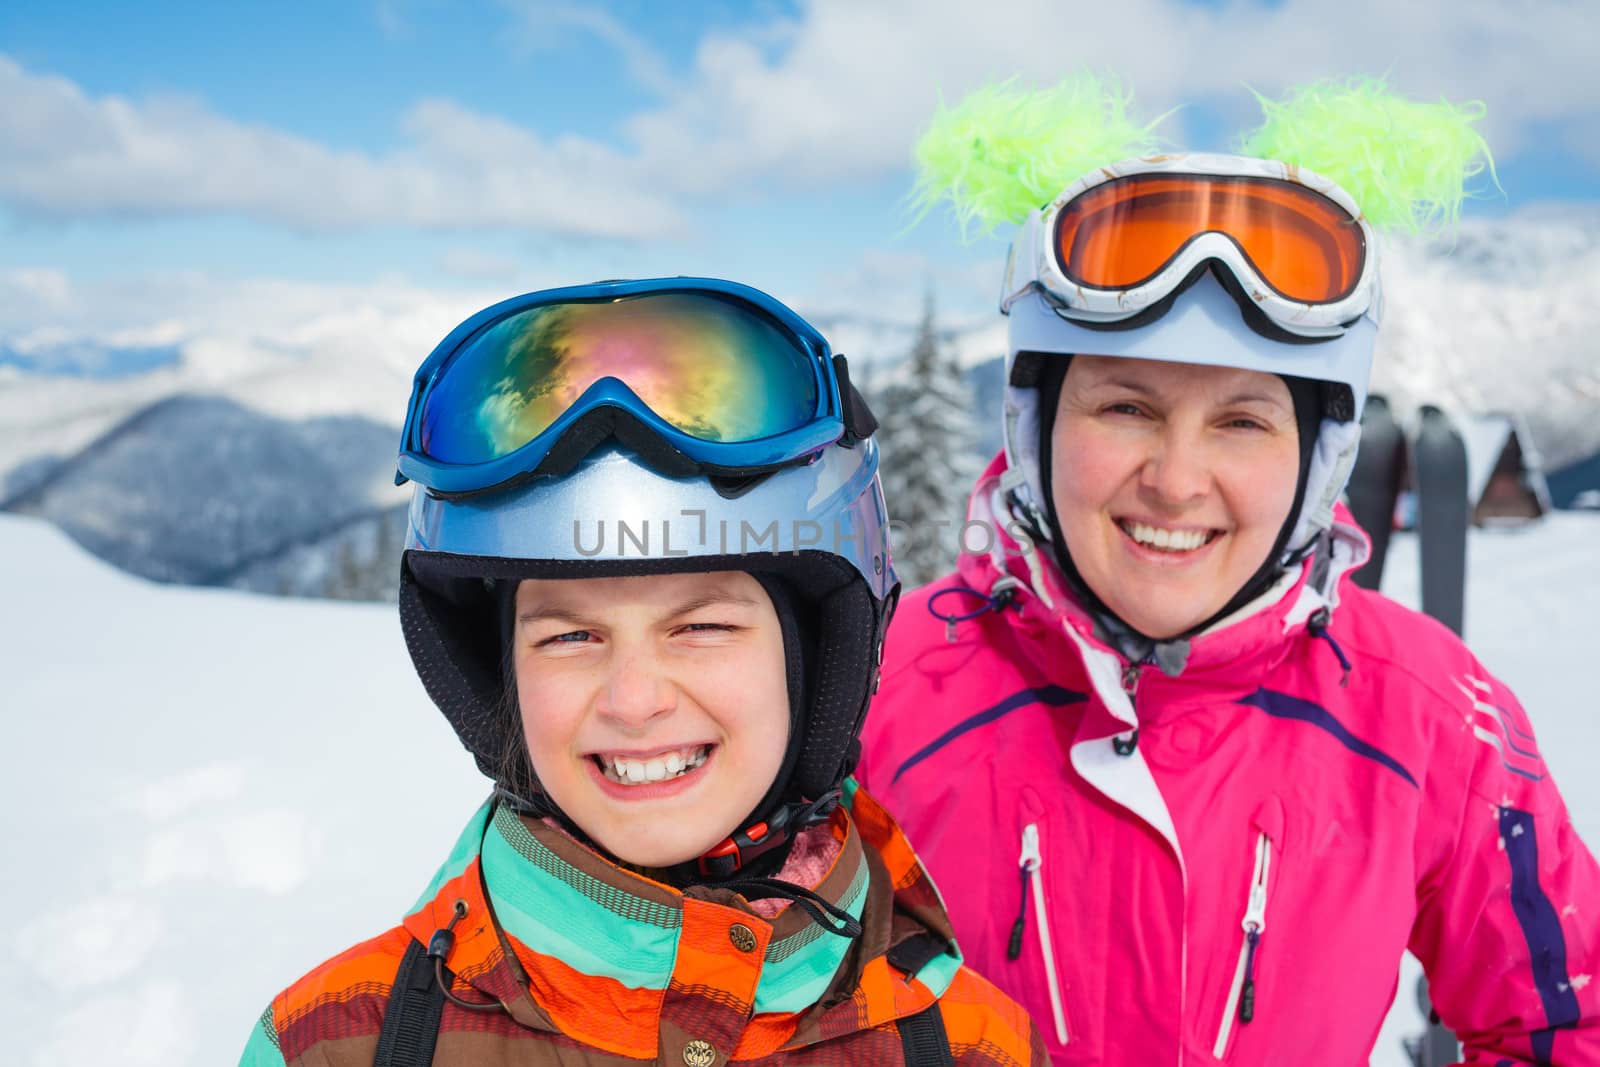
{"type": "Point", "coordinates": [1267, 861]}
{"type": "Point", "coordinates": [1032, 927]}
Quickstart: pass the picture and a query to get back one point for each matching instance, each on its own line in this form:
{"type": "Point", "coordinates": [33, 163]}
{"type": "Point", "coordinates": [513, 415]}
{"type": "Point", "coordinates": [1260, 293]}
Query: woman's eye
{"type": "Point", "coordinates": [1123, 409]}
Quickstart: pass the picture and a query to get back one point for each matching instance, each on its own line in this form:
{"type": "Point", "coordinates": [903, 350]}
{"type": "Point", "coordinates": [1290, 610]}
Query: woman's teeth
{"type": "Point", "coordinates": [625, 771]}
{"type": "Point", "coordinates": [1166, 540]}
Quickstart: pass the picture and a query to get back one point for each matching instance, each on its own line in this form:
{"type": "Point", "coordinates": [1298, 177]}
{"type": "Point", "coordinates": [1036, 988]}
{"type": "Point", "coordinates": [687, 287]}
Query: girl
{"type": "Point", "coordinates": [646, 582]}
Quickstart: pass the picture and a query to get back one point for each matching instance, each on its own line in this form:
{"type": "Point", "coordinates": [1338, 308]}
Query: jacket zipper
{"type": "Point", "coordinates": [1124, 744]}
{"type": "Point", "coordinates": [1030, 862]}
{"type": "Point", "coordinates": [1130, 680]}
{"type": "Point", "coordinates": [1242, 994]}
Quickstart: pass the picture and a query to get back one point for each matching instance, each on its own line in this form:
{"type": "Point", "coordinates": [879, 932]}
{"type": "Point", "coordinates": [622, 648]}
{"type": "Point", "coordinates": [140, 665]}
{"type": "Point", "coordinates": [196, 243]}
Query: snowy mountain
{"type": "Point", "coordinates": [1503, 318]}
{"type": "Point", "coordinates": [204, 491]}
{"type": "Point", "coordinates": [221, 790]}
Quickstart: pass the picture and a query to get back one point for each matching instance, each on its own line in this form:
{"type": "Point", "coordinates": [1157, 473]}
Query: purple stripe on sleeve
{"type": "Point", "coordinates": [1541, 925]}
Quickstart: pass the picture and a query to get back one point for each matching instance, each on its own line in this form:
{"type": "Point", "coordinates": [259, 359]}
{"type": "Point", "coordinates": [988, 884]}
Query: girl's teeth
{"type": "Point", "coordinates": [634, 772]}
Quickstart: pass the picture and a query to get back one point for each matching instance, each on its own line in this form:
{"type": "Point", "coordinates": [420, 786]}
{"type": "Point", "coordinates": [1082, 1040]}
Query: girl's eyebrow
{"type": "Point", "coordinates": [713, 599]}
{"type": "Point", "coordinates": [562, 613]}
{"type": "Point", "coordinates": [554, 613]}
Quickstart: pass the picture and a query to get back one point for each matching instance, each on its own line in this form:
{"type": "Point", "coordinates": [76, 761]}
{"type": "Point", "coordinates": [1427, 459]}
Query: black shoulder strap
{"type": "Point", "coordinates": [915, 953]}
{"type": "Point", "coordinates": [924, 1040]}
{"type": "Point", "coordinates": [922, 1035]}
{"type": "Point", "coordinates": [411, 1018]}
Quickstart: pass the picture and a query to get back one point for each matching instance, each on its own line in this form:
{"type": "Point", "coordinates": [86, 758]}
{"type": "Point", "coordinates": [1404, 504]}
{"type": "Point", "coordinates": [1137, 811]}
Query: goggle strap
{"type": "Point", "coordinates": [859, 421]}
{"type": "Point", "coordinates": [1254, 317]}
{"type": "Point", "coordinates": [593, 430]}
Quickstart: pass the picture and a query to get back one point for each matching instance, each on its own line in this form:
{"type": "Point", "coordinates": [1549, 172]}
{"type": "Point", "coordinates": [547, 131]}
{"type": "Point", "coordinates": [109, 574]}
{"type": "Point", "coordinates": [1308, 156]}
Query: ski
{"type": "Point", "coordinates": [1439, 460]}
{"type": "Point", "coordinates": [1439, 466]}
{"type": "Point", "coordinates": [1375, 484]}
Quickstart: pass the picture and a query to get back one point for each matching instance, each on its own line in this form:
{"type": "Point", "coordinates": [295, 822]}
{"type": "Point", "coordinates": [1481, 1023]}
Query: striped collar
{"type": "Point", "coordinates": [576, 945]}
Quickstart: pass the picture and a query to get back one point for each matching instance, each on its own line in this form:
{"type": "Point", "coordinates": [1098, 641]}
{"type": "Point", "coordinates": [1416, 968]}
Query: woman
{"type": "Point", "coordinates": [608, 590]}
{"type": "Point", "coordinates": [1189, 793]}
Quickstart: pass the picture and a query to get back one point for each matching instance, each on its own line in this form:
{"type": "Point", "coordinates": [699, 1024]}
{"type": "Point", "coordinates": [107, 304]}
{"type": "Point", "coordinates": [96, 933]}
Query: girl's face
{"type": "Point", "coordinates": [655, 708]}
{"type": "Point", "coordinates": [1171, 482]}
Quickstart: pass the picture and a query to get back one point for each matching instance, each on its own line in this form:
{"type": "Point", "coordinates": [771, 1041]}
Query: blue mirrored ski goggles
{"type": "Point", "coordinates": [700, 375]}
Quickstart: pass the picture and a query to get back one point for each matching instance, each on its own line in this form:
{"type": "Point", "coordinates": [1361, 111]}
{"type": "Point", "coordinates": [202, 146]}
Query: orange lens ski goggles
{"type": "Point", "coordinates": [1119, 245]}
{"type": "Point", "coordinates": [1120, 235]}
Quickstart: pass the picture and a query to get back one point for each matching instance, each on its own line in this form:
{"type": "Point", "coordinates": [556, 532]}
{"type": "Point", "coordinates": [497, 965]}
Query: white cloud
{"type": "Point", "coordinates": [834, 96]}
{"type": "Point", "coordinates": [69, 155]}
{"type": "Point", "coordinates": [855, 82]}
{"type": "Point", "coordinates": [891, 287]}
{"type": "Point", "coordinates": [291, 349]}
{"type": "Point", "coordinates": [542, 27]}
{"type": "Point", "coordinates": [27, 291]}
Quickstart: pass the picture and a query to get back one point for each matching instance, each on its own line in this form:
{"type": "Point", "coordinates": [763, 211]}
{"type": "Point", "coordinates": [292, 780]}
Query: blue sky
{"type": "Point", "coordinates": [502, 146]}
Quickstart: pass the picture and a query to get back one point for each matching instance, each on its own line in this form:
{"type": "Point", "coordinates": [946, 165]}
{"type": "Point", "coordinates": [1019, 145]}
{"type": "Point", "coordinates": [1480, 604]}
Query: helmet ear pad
{"type": "Point", "coordinates": [453, 618]}
{"type": "Point", "coordinates": [851, 627]}
{"type": "Point", "coordinates": [452, 630]}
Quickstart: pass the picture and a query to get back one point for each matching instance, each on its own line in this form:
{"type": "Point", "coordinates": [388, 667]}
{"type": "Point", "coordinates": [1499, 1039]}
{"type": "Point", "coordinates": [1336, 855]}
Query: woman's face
{"type": "Point", "coordinates": [1171, 482]}
{"type": "Point", "coordinates": [655, 708]}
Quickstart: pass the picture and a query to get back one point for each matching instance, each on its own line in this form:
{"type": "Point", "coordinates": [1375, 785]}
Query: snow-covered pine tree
{"type": "Point", "coordinates": [928, 439]}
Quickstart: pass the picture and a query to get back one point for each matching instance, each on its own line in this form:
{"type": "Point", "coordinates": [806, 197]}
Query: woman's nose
{"type": "Point", "coordinates": [1178, 470]}
{"type": "Point", "coordinates": [636, 690]}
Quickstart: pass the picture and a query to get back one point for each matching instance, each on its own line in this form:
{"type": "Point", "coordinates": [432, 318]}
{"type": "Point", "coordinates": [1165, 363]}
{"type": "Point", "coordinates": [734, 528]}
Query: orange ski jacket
{"type": "Point", "coordinates": [595, 965]}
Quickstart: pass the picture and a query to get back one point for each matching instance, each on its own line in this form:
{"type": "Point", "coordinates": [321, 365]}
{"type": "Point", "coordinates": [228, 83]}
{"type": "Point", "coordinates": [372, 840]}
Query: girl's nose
{"type": "Point", "coordinates": [636, 691]}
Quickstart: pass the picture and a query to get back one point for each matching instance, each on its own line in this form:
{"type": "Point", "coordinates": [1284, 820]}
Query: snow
{"type": "Point", "coordinates": [210, 791]}
{"type": "Point", "coordinates": [1529, 589]}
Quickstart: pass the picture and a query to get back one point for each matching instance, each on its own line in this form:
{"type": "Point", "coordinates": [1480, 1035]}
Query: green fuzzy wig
{"type": "Point", "coordinates": [1406, 163]}
{"type": "Point", "coordinates": [1003, 151]}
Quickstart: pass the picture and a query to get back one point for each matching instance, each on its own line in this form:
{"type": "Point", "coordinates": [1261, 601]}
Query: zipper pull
{"type": "Point", "coordinates": [1027, 863]}
{"type": "Point", "coordinates": [1247, 992]}
{"type": "Point", "coordinates": [1014, 946]}
{"type": "Point", "coordinates": [1255, 921]}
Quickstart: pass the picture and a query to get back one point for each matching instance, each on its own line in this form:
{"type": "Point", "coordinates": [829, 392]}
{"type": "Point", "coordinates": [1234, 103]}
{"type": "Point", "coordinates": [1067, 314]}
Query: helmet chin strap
{"type": "Point", "coordinates": [734, 856]}
{"type": "Point", "coordinates": [740, 850]}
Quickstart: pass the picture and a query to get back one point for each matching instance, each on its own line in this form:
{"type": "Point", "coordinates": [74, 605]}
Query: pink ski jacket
{"type": "Point", "coordinates": [1224, 866]}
